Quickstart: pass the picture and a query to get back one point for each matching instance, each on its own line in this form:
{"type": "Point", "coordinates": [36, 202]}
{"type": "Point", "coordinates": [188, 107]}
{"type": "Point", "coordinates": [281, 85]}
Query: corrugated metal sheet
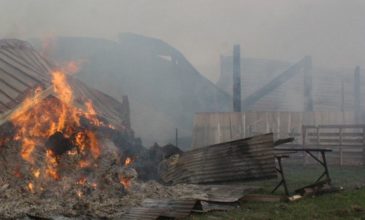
{"type": "Point", "coordinates": [220, 193]}
{"type": "Point", "coordinates": [156, 208]}
{"type": "Point", "coordinates": [199, 198]}
{"type": "Point", "coordinates": [22, 69]}
{"type": "Point", "coordinates": [244, 159]}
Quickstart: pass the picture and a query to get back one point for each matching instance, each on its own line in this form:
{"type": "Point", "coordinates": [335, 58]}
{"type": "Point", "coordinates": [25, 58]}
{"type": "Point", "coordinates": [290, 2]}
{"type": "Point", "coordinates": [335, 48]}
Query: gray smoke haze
{"type": "Point", "coordinates": [332, 31]}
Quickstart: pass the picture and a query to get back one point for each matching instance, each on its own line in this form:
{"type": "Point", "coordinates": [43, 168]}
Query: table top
{"type": "Point", "coordinates": [303, 149]}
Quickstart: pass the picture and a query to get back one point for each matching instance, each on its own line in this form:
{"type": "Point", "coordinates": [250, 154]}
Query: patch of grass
{"type": "Point", "coordinates": [344, 205]}
{"type": "Point", "coordinates": [348, 204]}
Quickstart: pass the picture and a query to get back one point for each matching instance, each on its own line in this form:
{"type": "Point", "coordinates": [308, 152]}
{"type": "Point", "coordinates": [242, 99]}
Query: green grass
{"type": "Point", "coordinates": [347, 204]}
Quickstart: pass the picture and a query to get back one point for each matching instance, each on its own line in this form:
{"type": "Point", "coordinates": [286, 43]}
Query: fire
{"type": "Point", "coordinates": [30, 187]}
{"type": "Point", "coordinates": [127, 161]}
{"type": "Point", "coordinates": [82, 181]}
{"type": "Point", "coordinates": [64, 93]}
{"type": "Point", "coordinates": [39, 117]}
{"type": "Point", "coordinates": [84, 164]}
{"type": "Point", "coordinates": [94, 145]}
{"type": "Point", "coordinates": [51, 163]}
{"type": "Point", "coordinates": [36, 173]}
{"type": "Point", "coordinates": [28, 147]}
{"type": "Point", "coordinates": [126, 182]}
{"type": "Point", "coordinates": [79, 193]}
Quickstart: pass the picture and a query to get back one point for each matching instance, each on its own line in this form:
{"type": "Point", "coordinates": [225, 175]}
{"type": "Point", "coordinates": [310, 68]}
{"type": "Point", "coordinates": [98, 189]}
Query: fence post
{"type": "Point", "coordinates": [363, 146]}
{"type": "Point", "coordinates": [318, 140]}
{"type": "Point", "coordinates": [304, 133]}
{"type": "Point", "coordinates": [340, 150]}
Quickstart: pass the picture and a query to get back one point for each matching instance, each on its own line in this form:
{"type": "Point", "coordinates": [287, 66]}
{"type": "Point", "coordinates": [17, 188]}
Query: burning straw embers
{"type": "Point", "coordinates": [56, 144]}
{"type": "Point", "coordinates": [67, 150]}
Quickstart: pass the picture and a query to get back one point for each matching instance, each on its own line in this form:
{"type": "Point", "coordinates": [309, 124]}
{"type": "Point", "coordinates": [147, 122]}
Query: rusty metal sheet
{"type": "Point", "coordinates": [245, 159]}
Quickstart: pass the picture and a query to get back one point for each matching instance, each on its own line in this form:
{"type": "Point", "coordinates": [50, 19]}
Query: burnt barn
{"type": "Point", "coordinates": [69, 151]}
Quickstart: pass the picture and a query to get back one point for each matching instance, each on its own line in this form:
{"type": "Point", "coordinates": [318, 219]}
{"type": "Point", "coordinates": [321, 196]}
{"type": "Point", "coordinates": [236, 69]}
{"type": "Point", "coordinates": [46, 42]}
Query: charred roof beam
{"type": "Point", "coordinates": [275, 83]}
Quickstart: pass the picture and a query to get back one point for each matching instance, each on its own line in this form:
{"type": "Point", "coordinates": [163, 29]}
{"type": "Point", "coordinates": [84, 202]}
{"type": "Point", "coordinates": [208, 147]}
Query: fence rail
{"type": "Point", "coordinates": [346, 141]}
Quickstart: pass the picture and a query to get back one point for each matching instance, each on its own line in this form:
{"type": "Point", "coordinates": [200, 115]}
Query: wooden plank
{"type": "Point", "coordinates": [264, 198]}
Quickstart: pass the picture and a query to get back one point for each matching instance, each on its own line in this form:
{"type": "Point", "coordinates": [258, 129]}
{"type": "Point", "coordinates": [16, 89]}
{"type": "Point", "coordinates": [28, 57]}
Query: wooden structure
{"type": "Point", "coordinates": [214, 128]}
{"type": "Point", "coordinates": [338, 131]}
{"type": "Point", "coordinates": [346, 141]}
{"type": "Point", "coordinates": [272, 85]}
{"type": "Point", "coordinates": [304, 65]}
{"type": "Point", "coordinates": [237, 78]}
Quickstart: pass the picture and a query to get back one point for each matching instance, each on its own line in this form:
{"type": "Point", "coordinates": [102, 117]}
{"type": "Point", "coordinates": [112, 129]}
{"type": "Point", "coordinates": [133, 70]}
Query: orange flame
{"type": "Point", "coordinates": [28, 148]}
{"type": "Point", "coordinates": [126, 182]}
{"type": "Point", "coordinates": [79, 193]}
{"type": "Point", "coordinates": [36, 173]}
{"type": "Point", "coordinates": [82, 181]}
{"type": "Point", "coordinates": [84, 163]}
{"type": "Point", "coordinates": [30, 187]}
{"type": "Point", "coordinates": [127, 161]}
{"type": "Point", "coordinates": [38, 117]}
{"type": "Point", "coordinates": [52, 163]}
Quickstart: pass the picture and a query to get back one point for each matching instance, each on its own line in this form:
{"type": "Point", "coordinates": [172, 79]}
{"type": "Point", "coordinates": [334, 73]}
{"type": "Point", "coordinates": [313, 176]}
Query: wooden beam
{"type": "Point", "coordinates": [273, 84]}
{"type": "Point", "coordinates": [308, 81]}
{"type": "Point", "coordinates": [237, 79]}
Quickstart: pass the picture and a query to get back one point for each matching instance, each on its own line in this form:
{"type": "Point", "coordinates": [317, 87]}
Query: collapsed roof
{"type": "Point", "coordinates": [22, 69]}
{"type": "Point", "coordinates": [165, 88]}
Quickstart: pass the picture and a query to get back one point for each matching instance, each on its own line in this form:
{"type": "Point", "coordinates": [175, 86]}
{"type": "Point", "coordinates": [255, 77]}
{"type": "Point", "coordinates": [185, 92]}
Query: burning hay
{"type": "Point", "coordinates": [56, 145]}
{"type": "Point", "coordinates": [68, 151]}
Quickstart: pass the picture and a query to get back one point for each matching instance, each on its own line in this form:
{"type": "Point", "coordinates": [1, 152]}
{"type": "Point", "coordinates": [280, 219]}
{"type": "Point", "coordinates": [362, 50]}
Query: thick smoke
{"type": "Point", "coordinates": [332, 31]}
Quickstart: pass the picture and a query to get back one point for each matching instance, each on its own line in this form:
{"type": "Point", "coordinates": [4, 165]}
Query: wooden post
{"type": "Point", "coordinates": [304, 133]}
{"type": "Point", "coordinates": [357, 93]}
{"type": "Point", "coordinates": [267, 122]}
{"type": "Point", "coordinates": [278, 124]}
{"type": "Point", "coordinates": [363, 146]}
{"type": "Point", "coordinates": [342, 96]}
{"type": "Point", "coordinates": [244, 124]}
{"type": "Point", "coordinates": [176, 137]}
{"type": "Point", "coordinates": [340, 148]}
{"type": "Point", "coordinates": [237, 107]}
{"type": "Point", "coordinates": [318, 140]}
{"type": "Point", "coordinates": [308, 84]}
{"type": "Point", "coordinates": [343, 100]}
{"type": "Point", "coordinates": [289, 125]}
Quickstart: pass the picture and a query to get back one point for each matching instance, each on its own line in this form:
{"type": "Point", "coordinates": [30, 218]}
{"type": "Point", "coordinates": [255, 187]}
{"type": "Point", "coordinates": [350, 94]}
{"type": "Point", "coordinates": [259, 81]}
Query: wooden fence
{"type": "Point", "coordinates": [346, 141]}
{"type": "Point", "coordinates": [215, 128]}
{"type": "Point", "coordinates": [338, 131]}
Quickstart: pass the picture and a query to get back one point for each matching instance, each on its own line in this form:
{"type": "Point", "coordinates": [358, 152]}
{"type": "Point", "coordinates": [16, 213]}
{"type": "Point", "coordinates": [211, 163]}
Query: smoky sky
{"type": "Point", "coordinates": [332, 31]}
